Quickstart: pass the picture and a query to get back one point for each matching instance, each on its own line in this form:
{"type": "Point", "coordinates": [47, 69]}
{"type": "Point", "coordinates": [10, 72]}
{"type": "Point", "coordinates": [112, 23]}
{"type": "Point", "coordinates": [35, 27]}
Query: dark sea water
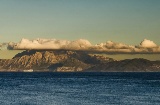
{"type": "Point", "coordinates": [80, 88]}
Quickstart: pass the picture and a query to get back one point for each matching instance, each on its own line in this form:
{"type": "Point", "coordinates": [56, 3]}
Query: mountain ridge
{"type": "Point", "coordinates": [73, 61]}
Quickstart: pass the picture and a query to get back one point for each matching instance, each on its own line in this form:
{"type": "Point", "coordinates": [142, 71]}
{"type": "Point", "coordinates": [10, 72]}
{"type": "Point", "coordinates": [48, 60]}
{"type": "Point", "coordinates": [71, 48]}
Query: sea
{"type": "Point", "coordinates": [80, 88]}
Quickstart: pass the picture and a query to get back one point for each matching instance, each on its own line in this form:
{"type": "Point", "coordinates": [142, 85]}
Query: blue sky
{"type": "Point", "coordinates": [127, 21]}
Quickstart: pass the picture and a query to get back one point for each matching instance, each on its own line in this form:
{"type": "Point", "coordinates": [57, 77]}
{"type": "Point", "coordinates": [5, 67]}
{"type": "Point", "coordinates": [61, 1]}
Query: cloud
{"type": "Point", "coordinates": [110, 46]}
{"type": "Point", "coordinates": [80, 44]}
{"type": "Point", "coordinates": [146, 46]}
{"type": "Point", "coordinates": [3, 46]}
{"type": "Point", "coordinates": [26, 44]}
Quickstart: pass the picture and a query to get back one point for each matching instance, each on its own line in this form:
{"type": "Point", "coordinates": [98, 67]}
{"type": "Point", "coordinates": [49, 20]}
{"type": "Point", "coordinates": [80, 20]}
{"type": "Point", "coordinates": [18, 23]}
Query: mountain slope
{"type": "Point", "coordinates": [40, 60]}
{"type": "Point", "coordinates": [128, 65]}
{"type": "Point", "coordinates": [73, 61]}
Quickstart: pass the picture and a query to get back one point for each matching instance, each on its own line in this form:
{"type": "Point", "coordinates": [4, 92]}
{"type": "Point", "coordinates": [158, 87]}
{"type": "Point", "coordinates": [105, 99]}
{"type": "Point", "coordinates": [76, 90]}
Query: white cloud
{"type": "Point", "coordinates": [146, 46]}
{"type": "Point", "coordinates": [3, 46]}
{"type": "Point", "coordinates": [80, 44]}
{"type": "Point", "coordinates": [50, 44]}
{"type": "Point", "coordinates": [113, 45]}
{"type": "Point", "coordinates": [110, 46]}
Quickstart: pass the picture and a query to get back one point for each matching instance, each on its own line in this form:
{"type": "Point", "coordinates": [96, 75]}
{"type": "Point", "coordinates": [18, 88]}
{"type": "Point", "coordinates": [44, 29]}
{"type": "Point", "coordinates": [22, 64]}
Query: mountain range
{"type": "Point", "coordinates": [73, 61]}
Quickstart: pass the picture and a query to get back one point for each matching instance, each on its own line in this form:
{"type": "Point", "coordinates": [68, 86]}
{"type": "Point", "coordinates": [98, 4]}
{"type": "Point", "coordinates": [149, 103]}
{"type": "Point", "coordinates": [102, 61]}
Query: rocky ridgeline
{"type": "Point", "coordinates": [128, 65]}
{"type": "Point", "coordinates": [51, 61]}
{"type": "Point", "coordinates": [73, 61]}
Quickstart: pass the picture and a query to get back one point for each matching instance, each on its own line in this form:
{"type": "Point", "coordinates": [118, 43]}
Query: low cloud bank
{"type": "Point", "coordinates": [146, 46]}
{"type": "Point", "coordinates": [26, 44]}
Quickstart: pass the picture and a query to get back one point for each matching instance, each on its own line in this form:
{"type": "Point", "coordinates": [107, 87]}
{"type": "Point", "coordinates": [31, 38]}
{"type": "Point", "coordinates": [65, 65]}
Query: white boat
{"type": "Point", "coordinates": [29, 70]}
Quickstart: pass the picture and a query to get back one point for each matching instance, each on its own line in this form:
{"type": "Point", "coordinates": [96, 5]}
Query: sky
{"type": "Point", "coordinates": [94, 20]}
{"type": "Point", "coordinates": [122, 21]}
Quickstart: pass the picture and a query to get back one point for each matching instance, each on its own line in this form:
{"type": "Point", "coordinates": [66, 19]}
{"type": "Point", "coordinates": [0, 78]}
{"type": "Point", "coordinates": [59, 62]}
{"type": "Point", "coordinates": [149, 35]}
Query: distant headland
{"type": "Point", "coordinates": [73, 61]}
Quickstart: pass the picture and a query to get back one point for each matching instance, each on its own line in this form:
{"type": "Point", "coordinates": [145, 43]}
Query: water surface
{"type": "Point", "coordinates": [80, 88]}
